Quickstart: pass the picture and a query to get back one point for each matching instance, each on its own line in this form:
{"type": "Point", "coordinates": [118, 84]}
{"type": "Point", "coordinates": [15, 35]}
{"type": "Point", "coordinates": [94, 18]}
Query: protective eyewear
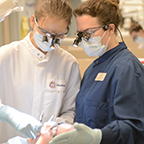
{"type": "Point", "coordinates": [87, 34]}
{"type": "Point", "coordinates": [51, 35]}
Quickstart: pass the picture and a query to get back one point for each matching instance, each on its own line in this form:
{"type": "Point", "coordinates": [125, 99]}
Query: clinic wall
{"type": "Point", "coordinates": [1, 34]}
{"type": "Point", "coordinates": [74, 4]}
{"type": "Point", "coordinates": [10, 29]}
{"type": "Point", "coordinates": [15, 26]}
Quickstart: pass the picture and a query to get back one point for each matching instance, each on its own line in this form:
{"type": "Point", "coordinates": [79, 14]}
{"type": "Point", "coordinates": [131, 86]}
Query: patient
{"type": "Point", "coordinates": [46, 135]}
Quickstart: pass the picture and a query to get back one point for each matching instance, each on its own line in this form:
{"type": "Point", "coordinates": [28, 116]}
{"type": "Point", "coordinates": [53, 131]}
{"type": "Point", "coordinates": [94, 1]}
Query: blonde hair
{"type": "Point", "coordinates": [57, 8]}
{"type": "Point", "coordinates": [107, 11]}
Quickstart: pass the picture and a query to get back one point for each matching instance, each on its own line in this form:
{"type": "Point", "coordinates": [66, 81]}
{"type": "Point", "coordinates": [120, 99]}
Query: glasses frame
{"type": "Point", "coordinates": [87, 36]}
{"type": "Point", "coordinates": [51, 35]}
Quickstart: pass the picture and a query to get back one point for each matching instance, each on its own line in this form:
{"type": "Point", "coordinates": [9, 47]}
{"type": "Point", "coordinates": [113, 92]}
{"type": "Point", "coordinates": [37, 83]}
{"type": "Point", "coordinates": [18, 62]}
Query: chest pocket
{"type": "Point", "coordinates": [96, 113]}
{"type": "Point", "coordinates": [56, 86]}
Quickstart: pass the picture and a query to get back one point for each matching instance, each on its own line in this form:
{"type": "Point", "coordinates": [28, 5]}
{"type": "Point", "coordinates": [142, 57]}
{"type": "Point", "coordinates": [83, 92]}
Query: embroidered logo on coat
{"type": "Point", "coordinates": [52, 84]}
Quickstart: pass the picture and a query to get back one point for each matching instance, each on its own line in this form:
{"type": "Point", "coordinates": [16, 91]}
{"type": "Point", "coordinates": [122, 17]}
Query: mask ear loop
{"type": "Point", "coordinates": [103, 34]}
{"type": "Point", "coordinates": [106, 28]}
{"type": "Point", "coordinates": [118, 31]}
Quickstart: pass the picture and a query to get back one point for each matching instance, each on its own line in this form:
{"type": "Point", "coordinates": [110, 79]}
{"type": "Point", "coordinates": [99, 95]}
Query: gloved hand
{"type": "Point", "coordinates": [24, 123]}
{"type": "Point", "coordinates": [82, 134]}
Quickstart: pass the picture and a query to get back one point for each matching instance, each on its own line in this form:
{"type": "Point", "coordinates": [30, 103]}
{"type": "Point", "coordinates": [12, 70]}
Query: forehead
{"type": "Point", "coordinates": [134, 34]}
{"type": "Point", "coordinates": [53, 23]}
{"type": "Point", "coordinates": [86, 21]}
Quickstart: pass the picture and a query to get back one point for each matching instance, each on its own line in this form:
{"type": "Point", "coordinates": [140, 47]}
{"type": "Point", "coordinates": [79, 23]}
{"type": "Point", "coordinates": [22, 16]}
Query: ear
{"type": "Point", "coordinates": [112, 28]}
{"type": "Point", "coordinates": [32, 23]}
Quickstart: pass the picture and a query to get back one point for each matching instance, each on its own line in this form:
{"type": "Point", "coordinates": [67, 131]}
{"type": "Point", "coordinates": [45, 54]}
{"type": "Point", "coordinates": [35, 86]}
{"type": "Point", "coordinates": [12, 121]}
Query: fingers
{"type": "Point", "coordinates": [79, 127]}
{"type": "Point", "coordinates": [64, 136]}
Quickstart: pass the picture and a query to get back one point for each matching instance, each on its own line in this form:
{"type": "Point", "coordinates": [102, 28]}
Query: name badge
{"type": "Point", "coordinates": [100, 76]}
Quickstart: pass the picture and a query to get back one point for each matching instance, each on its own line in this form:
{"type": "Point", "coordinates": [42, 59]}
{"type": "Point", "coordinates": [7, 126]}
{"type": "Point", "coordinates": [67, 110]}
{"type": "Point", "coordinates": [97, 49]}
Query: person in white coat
{"type": "Point", "coordinates": [35, 73]}
{"type": "Point", "coordinates": [29, 126]}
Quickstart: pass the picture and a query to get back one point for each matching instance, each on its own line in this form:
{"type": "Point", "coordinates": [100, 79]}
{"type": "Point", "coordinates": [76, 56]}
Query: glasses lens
{"type": "Point", "coordinates": [61, 36]}
{"type": "Point", "coordinates": [87, 36]}
{"type": "Point", "coordinates": [51, 35]}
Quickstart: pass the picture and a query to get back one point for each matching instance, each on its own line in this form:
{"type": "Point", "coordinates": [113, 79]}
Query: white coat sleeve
{"type": "Point", "coordinates": [1, 103]}
{"type": "Point", "coordinates": [17, 140]}
{"type": "Point", "coordinates": [67, 113]}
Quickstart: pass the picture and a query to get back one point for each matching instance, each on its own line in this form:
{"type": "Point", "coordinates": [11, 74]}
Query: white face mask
{"type": "Point", "coordinates": [139, 40]}
{"type": "Point", "coordinates": [44, 46]}
{"type": "Point", "coordinates": [94, 47]}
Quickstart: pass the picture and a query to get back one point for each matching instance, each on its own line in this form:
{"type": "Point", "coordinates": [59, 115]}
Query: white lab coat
{"type": "Point", "coordinates": [1, 103]}
{"type": "Point", "coordinates": [31, 81]}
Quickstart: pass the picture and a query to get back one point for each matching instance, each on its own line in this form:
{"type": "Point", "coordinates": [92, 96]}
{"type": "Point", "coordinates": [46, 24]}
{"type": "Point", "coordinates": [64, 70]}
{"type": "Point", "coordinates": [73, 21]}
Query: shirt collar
{"type": "Point", "coordinates": [34, 51]}
{"type": "Point", "coordinates": [109, 54]}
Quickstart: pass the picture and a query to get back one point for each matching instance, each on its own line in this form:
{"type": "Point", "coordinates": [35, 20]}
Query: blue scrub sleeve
{"type": "Point", "coordinates": [106, 136]}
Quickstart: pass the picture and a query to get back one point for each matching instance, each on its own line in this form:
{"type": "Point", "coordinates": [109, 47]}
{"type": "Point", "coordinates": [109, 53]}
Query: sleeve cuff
{"type": "Point", "coordinates": [106, 135]}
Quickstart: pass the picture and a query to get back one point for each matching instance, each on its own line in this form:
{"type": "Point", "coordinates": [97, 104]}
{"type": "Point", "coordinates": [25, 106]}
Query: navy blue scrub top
{"type": "Point", "coordinates": [111, 97]}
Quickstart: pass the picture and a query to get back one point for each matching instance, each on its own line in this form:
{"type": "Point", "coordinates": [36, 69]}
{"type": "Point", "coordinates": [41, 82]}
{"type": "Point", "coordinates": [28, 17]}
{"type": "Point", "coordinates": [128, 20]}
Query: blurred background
{"type": "Point", "coordinates": [16, 26]}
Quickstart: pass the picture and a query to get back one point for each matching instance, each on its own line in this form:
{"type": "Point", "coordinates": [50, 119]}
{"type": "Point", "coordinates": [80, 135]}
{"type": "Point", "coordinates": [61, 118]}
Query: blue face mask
{"type": "Point", "coordinates": [94, 47]}
{"type": "Point", "coordinates": [44, 46]}
{"type": "Point", "coordinates": [139, 40]}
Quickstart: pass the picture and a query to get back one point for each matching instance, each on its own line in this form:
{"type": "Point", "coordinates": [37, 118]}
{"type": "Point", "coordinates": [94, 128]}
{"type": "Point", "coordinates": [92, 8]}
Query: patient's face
{"type": "Point", "coordinates": [47, 135]}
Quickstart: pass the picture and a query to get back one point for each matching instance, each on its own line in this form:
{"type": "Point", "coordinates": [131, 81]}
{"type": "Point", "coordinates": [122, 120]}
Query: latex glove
{"type": "Point", "coordinates": [82, 134]}
{"type": "Point", "coordinates": [24, 123]}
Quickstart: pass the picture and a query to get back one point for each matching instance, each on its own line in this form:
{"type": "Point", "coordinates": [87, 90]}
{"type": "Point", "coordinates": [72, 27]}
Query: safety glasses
{"type": "Point", "coordinates": [51, 35]}
{"type": "Point", "coordinates": [88, 33]}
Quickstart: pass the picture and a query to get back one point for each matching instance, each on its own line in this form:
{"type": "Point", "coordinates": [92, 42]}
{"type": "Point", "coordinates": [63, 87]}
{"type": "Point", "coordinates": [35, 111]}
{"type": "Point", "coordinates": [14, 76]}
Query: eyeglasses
{"type": "Point", "coordinates": [49, 34]}
{"type": "Point", "coordinates": [88, 33]}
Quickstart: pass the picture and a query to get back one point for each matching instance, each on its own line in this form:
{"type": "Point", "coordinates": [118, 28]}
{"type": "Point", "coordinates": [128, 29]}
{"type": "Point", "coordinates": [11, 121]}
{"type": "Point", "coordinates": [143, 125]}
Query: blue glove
{"type": "Point", "coordinates": [82, 134]}
{"type": "Point", "coordinates": [24, 123]}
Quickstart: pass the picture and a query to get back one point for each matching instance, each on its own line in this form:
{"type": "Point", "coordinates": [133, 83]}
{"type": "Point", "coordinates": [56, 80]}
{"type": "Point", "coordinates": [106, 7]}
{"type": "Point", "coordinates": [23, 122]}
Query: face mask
{"type": "Point", "coordinates": [139, 40]}
{"type": "Point", "coordinates": [94, 47]}
{"type": "Point", "coordinates": [44, 46]}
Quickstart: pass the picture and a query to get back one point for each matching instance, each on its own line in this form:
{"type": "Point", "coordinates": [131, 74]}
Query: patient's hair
{"type": "Point", "coordinates": [55, 8]}
{"type": "Point", "coordinates": [135, 26]}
